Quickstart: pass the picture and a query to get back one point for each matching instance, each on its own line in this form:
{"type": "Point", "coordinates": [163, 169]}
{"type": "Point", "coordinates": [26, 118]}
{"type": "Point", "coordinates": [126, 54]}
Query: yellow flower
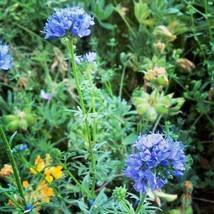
{"type": "Point", "coordinates": [40, 165]}
{"type": "Point", "coordinates": [56, 172]}
{"type": "Point", "coordinates": [25, 184]}
{"type": "Point", "coordinates": [45, 192]}
{"type": "Point", "coordinates": [48, 176]}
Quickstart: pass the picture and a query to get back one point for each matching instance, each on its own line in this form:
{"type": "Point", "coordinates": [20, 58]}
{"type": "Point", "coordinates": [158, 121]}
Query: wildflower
{"type": "Point", "coordinates": [157, 159]}
{"type": "Point", "coordinates": [6, 60]}
{"type": "Point", "coordinates": [90, 57]}
{"type": "Point", "coordinates": [25, 184]}
{"type": "Point", "coordinates": [68, 21]}
{"type": "Point", "coordinates": [40, 165]}
{"type": "Point", "coordinates": [19, 148]}
{"type": "Point", "coordinates": [48, 175]}
{"type": "Point", "coordinates": [6, 170]}
{"type": "Point", "coordinates": [44, 95]}
{"type": "Point", "coordinates": [56, 172]}
{"type": "Point", "coordinates": [45, 192]}
{"type": "Point", "coordinates": [41, 193]}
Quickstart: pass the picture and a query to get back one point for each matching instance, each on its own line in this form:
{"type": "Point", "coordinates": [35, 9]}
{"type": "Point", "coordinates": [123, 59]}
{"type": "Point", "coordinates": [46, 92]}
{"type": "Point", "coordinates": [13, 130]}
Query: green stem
{"type": "Point", "coordinates": [142, 198]}
{"type": "Point", "coordinates": [156, 122]}
{"type": "Point", "coordinates": [109, 88]}
{"type": "Point", "coordinates": [94, 125]}
{"type": "Point", "coordinates": [13, 163]}
{"type": "Point", "coordinates": [206, 16]}
{"type": "Point", "coordinates": [193, 27]}
{"type": "Point", "coordinates": [127, 208]}
{"type": "Point", "coordinates": [122, 81]}
{"type": "Point", "coordinates": [84, 190]}
{"type": "Point", "coordinates": [82, 105]}
{"type": "Point", "coordinates": [118, 9]}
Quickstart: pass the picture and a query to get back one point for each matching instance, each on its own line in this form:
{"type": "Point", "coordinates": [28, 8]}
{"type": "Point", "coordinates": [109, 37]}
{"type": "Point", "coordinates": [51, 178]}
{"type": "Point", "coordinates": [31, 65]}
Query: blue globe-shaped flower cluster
{"type": "Point", "coordinates": [6, 60]}
{"type": "Point", "coordinates": [156, 159]}
{"type": "Point", "coordinates": [68, 21]}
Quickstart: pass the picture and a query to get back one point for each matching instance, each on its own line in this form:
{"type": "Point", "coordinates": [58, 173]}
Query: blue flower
{"type": "Point", "coordinates": [90, 57]}
{"type": "Point", "coordinates": [68, 21]}
{"type": "Point", "coordinates": [20, 148]}
{"type": "Point", "coordinates": [28, 209]}
{"type": "Point", "coordinates": [6, 60]}
{"type": "Point", "coordinates": [156, 159]}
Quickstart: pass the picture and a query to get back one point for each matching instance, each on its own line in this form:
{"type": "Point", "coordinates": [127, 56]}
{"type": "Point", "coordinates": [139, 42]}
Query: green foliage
{"type": "Point", "coordinates": [154, 72]}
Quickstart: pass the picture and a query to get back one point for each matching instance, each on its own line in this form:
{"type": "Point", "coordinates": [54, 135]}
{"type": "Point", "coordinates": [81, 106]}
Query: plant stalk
{"type": "Point", "coordinates": [82, 105]}
{"type": "Point", "coordinates": [13, 163]}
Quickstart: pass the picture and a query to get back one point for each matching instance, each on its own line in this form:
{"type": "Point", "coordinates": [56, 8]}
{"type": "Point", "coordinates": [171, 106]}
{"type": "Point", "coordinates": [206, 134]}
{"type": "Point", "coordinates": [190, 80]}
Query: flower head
{"type": "Point", "coordinates": [90, 57]}
{"type": "Point", "coordinates": [157, 158]}
{"type": "Point", "coordinates": [6, 60]}
{"type": "Point", "coordinates": [68, 21]}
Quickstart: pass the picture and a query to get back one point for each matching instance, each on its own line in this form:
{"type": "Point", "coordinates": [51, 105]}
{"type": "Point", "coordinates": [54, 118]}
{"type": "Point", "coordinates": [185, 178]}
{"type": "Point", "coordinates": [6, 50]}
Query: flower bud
{"type": "Point", "coordinates": [185, 64]}
{"type": "Point", "coordinates": [143, 108]}
{"type": "Point", "coordinates": [23, 82]}
{"type": "Point", "coordinates": [160, 47]}
{"type": "Point", "coordinates": [119, 193]}
{"type": "Point", "coordinates": [161, 108]}
{"type": "Point", "coordinates": [186, 200]}
{"type": "Point", "coordinates": [23, 124]}
{"type": "Point", "coordinates": [164, 32]}
{"type": "Point", "coordinates": [10, 118]}
{"type": "Point", "coordinates": [13, 125]}
{"type": "Point", "coordinates": [151, 114]}
{"type": "Point", "coordinates": [30, 118]}
{"type": "Point", "coordinates": [188, 187]}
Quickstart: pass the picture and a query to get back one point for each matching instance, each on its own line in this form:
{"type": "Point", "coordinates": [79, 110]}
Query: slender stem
{"type": "Point", "coordinates": [82, 105]}
{"type": "Point", "coordinates": [122, 81]}
{"type": "Point", "coordinates": [119, 10]}
{"type": "Point", "coordinates": [84, 190]}
{"type": "Point", "coordinates": [141, 203]}
{"type": "Point", "coordinates": [13, 163]}
{"type": "Point", "coordinates": [127, 208]}
{"type": "Point", "coordinates": [206, 16]}
{"type": "Point", "coordinates": [108, 87]}
{"type": "Point", "coordinates": [93, 107]}
{"type": "Point", "coordinates": [156, 122]}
